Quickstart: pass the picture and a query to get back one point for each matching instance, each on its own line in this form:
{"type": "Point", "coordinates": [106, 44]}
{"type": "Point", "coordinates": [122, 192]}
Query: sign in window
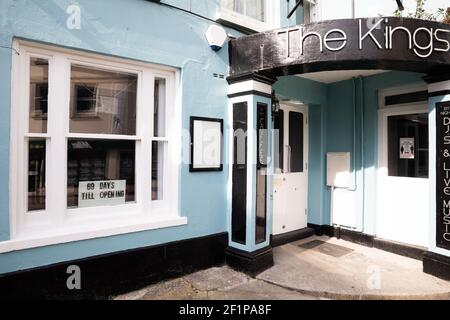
{"type": "Point", "coordinates": [95, 163]}
{"type": "Point", "coordinates": [408, 145]}
{"type": "Point", "coordinates": [101, 193]}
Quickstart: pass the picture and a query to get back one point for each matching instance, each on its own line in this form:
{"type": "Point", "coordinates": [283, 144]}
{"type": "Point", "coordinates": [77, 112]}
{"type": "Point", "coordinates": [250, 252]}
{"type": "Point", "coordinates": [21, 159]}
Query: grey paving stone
{"type": "Point", "coordinates": [363, 273]}
{"type": "Point", "coordinates": [303, 271]}
{"type": "Point", "coordinates": [216, 278]}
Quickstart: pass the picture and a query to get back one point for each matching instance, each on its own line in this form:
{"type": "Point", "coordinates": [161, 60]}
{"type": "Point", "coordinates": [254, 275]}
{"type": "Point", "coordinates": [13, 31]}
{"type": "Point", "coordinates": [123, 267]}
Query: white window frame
{"type": "Point", "coordinates": [315, 11]}
{"type": "Point", "coordinates": [271, 12]}
{"type": "Point", "coordinates": [384, 111]}
{"type": "Point", "coordinates": [57, 223]}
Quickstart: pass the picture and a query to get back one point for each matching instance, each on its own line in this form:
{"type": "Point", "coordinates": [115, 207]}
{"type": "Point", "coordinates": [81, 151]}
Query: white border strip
{"type": "Point", "coordinates": [439, 86]}
{"type": "Point", "coordinates": [249, 85]}
{"type": "Point", "coordinates": [62, 236]}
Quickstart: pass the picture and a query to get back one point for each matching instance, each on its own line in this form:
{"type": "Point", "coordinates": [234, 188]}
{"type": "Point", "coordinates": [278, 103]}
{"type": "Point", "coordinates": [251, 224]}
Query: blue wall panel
{"type": "Point", "coordinates": [340, 126]}
{"type": "Point", "coordinates": [139, 30]}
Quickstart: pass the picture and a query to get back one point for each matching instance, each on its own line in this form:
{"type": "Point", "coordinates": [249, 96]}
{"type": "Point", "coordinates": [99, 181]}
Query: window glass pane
{"type": "Point", "coordinates": [158, 155]}
{"type": "Point", "coordinates": [102, 102]}
{"type": "Point", "coordinates": [236, 5]}
{"type": "Point", "coordinates": [408, 145]}
{"type": "Point", "coordinates": [278, 123]}
{"type": "Point", "coordinates": [36, 175]}
{"type": "Point", "coordinates": [254, 9]}
{"type": "Point", "coordinates": [38, 95]}
{"type": "Point", "coordinates": [296, 141]}
{"type": "Point", "coordinates": [100, 172]}
{"type": "Point", "coordinates": [261, 205]}
{"type": "Point", "coordinates": [159, 116]}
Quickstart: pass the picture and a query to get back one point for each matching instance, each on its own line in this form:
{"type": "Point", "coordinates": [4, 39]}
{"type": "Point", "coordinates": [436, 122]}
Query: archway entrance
{"type": "Point", "coordinates": [257, 61]}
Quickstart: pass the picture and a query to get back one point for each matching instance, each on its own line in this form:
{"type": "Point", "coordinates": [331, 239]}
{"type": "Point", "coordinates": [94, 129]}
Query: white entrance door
{"type": "Point", "coordinates": [290, 183]}
{"type": "Point", "coordinates": [403, 187]}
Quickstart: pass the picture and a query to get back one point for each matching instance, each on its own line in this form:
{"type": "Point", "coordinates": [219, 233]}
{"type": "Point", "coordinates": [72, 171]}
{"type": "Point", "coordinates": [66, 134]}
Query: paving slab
{"type": "Point", "coordinates": [258, 290]}
{"type": "Point", "coordinates": [338, 269]}
{"type": "Point", "coordinates": [177, 289]}
{"type": "Point", "coordinates": [215, 284]}
{"type": "Point", "coordinates": [216, 279]}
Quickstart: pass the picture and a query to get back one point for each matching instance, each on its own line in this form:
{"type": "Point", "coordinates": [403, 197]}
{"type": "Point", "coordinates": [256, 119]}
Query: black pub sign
{"type": "Point", "coordinates": [443, 175]}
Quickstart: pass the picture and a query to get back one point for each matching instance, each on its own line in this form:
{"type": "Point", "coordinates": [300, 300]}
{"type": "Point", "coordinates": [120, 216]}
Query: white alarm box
{"type": "Point", "coordinates": [338, 170]}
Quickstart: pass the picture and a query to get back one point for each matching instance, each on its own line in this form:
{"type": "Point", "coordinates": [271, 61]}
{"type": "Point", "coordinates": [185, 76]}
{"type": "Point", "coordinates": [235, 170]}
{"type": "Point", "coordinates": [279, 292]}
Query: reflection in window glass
{"type": "Point", "coordinates": [38, 95]}
{"type": "Point", "coordinates": [158, 155]}
{"type": "Point", "coordinates": [261, 205]}
{"type": "Point", "coordinates": [36, 175]}
{"type": "Point", "coordinates": [296, 141]}
{"type": "Point", "coordinates": [278, 123]}
{"type": "Point", "coordinates": [102, 102]}
{"type": "Point", "coordinates": [251, 8]}
{"type": "Point", "coordinates": [93, 161]}
{"type": "Point", "coordinates": [408, 145]}
{"type": "Point", "coordinates": [159, 116]}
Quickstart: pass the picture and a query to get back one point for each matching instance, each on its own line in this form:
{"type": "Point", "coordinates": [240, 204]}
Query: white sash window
{"type": "Point", "coordinates": [95, 147]}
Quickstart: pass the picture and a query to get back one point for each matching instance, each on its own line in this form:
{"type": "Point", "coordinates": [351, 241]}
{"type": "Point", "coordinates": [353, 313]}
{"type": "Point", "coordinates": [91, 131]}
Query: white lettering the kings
{"type": "Point", "coordinates": [423, 42]}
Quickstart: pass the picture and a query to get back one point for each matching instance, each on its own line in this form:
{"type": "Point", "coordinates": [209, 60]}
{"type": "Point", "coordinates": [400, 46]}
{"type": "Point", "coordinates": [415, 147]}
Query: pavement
{"type": "Point", "coordinates": [310, 269]}
{"type": "Point", "coordinates": [220, 283]}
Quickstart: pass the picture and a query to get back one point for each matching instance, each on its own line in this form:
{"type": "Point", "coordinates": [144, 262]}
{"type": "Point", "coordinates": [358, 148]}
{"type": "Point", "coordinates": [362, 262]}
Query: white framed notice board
{"type": "Point", "coordinates": [206, 144]}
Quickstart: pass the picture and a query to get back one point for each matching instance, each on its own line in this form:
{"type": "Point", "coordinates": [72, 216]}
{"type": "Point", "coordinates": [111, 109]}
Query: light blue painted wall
{"type": "Point", "coordinates": [5, 102]}
{"type": "Point", "coordinates": [285, 7]}
{"type": "Point", "coordinates": [5, 98]}
{"type": "Point", "coordinates": [340, 133]}
{"type": "Point", "coordinates": [151, 33]}
{"type": "Point", "coordinates": [176, 40]}
{"type": "Point", "coordinates": [331, 130]}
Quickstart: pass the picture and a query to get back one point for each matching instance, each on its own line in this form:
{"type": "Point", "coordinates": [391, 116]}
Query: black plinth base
{"type": "Point", "coordinates": [251, 263]}
{"type": "Point", "coordinates": [436, 265]}
{"type": "Point", "coordinates": [281, 239]}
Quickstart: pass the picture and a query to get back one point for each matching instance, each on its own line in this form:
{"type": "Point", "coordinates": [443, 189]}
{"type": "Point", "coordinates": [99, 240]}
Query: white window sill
{"type": "Point", "coordinates": [71, 234]}
{"type": "Point", "coordinates": [242, 21]}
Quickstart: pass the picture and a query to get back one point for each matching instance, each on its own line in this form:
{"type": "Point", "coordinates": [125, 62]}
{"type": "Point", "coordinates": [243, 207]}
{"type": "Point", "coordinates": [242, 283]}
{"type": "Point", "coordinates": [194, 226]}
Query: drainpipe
{"type": "Point", "coordinates": [362, 154]}
{"type": "Point", "coordinates": [361, 123]}
{"type": "Point", "coordinates": [363, 184]}
{"type": "Point", "coordinates": [355, 180]}
{"type": "Point", "coordinates": [354, 188]}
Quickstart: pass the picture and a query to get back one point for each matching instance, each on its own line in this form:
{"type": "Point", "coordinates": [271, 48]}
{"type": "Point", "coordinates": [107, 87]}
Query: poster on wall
{"type": "Point", "coordinates": [406, 148]}
{"type": "Point", "coordinates": [206, 144]}
{"type": "Point", "coordinates": [443, 175]}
